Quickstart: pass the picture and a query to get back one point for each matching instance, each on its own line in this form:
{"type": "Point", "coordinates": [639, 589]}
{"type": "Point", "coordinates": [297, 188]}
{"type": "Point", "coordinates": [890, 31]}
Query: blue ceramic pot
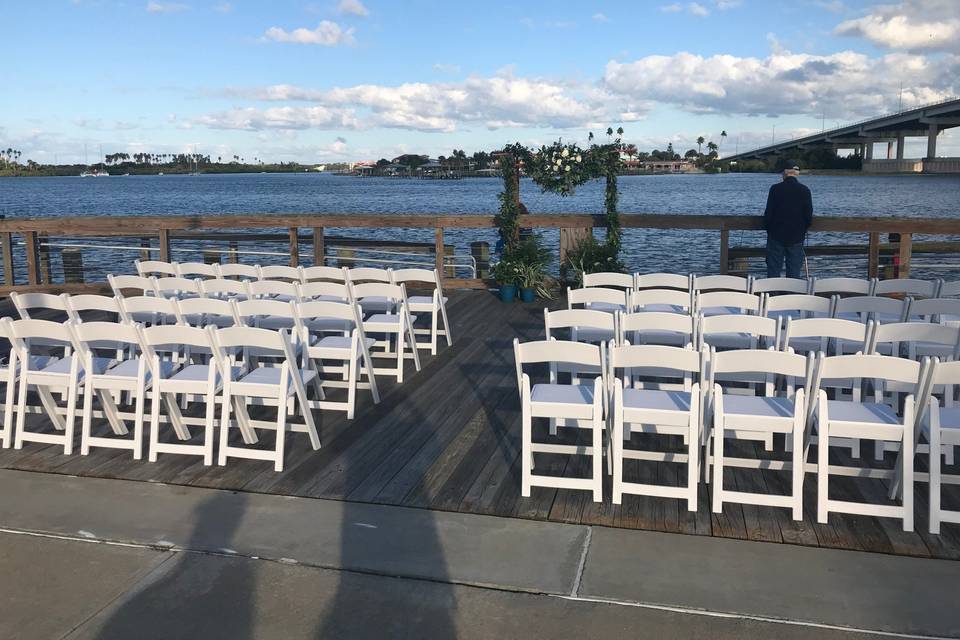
{"type": "Point", "coordinates": [508, 292]}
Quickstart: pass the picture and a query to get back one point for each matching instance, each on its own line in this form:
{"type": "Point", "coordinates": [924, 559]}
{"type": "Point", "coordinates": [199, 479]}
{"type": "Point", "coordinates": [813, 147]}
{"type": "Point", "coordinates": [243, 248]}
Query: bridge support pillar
{"type": "Point", "coordinates": [900, 140]}
{"type": "Point", "coordinates": [932, 141]}
{"type": "Point", "coordinates": [869, 147]}
{"type": "Point", "coordinates": [890, 150]}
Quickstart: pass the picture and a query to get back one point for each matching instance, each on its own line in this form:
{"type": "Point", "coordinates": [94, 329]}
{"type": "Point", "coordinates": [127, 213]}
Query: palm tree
{"type": "Point", "coordinates": [723, 136]}
{"type": "Point", "coordinates": [712, 147]}
{"type": "Point", "coordinates": [700, 141]}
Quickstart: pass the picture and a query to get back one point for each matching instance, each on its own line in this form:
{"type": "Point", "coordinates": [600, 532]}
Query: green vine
{"type": "Point", "coordinates": [508, 217]}
{"type": "Point", "coordinates": [611, 197]}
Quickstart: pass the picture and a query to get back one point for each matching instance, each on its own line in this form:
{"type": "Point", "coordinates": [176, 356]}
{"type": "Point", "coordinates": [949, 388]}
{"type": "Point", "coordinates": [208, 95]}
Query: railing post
{"type": "Point", "coordinates": [906, 252]}
{"type": "Point", "coordinates": [43, 250]}
{"type": "Point", "coordinates": [724, 249]}
{"type": "Point", "coordinates": [165, 245]}
{"type": "Point", "coordinates": [234, 254]}
{"type": "Point", "coordinates": [438, 249]}
{"type": "Point", "coordinates": [294, 246]}
{"type": "Point", "coordinates": [144, 249]}
{"type": "Point", "coordinates": [318, 248]}
{"type": "Point", "coordinates": [873, 259]}
{"type": "Point", "coordinates": [33, 273]}
{"type": "Point", "coordinates": [9, 276]}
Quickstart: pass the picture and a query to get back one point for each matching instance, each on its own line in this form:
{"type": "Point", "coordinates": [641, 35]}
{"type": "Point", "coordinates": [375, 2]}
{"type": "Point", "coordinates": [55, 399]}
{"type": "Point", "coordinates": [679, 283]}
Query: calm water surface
{"type": "Point", "coordinates": [741, 194]}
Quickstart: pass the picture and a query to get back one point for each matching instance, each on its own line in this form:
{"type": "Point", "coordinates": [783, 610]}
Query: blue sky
{"type": "Point", "coordinates": [359, 79]}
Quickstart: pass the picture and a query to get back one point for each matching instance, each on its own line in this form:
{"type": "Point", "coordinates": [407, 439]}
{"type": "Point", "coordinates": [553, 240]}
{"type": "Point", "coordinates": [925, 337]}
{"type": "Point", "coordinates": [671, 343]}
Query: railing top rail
{"type": "Point", "coordinates": [137, 225]}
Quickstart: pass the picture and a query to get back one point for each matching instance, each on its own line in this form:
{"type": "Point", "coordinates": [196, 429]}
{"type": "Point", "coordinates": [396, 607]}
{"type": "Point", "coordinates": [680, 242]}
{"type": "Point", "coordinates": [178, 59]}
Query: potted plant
{"type": "Point", "coordinates": [530, 279]}
{"type": "Point", "coordinates": [505, 273]}
{"type": "Point", "coordinates": [532, 259]}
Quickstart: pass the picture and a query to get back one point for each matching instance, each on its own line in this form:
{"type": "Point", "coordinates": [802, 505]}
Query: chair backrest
{"type": "Point", "coordinates": [280, 272]}
{"type": "Point", "coordinates": [237, 270]}
{"type": "Point", "coordinates": [326, 290]}
{"type": "Point", "coordinates": [761, 330]}
{"type": "Point", "coordinates": [770, 363]}
{"type": "Point", "coordinates": [147, 268]}
{"type": "Point", "coordinates": [826, 329]}
{"type": "Point", "coordinates": [223, 288]}
{"type": "Point", "coordinates": [161, 308]}
{"type": "Point", "coordinates": [681, 324]}
{"type": "Point", "coordinates": [868, 306]}
{"type": "Point", "coordinates": [92, 336]}
{"type": "Point", "coordinates": [172, 338]}
{"type": "Point", "coordinates": [591, 295]}
{"type": "Point", "coordinates": [721, 283]}
{"type": "Point", "coordinates": [24, 302]}
{"type": "Point", "coordinates": [78, 304]}
{"type": "Point", "coordinates": [425, 276]}
{"type": "Point", "coordinates": [253, 341]}
{"type": "Point", "coordinates": [663, 281]}
{"type": "Point", "coordinates": [855, 286]}
{"type": "Point", "coordinates": [608, 279]}
{"type": "Point", "coordinates": [806, 304]}
{"type": "Point", "coordinates": [194, 269]}
{"type": "Point", "coordinates": [369, 274]}
{"type": "Point", "coordinates": [654, 357]}
{"type": "Point", "coordinates": [579, 355]}
{"type": "Point", "coordinates": [934, 309]}
{"type": "Point", "coordinates": [248, 312]}
{"type": "Point", "coordinates": [946, 374]}
{"type": "Point", "coordinates": [200, 312]}
{"type": "Point", "coordinates": [575, 319]}
{"type": "Point", "coordinates": [639, 300]}
{"type": "Point", "coordinates": [880, 369]}
{"type": "Point", "coordinates": [24, 333]}
{"type": "Point", "coordinates": [320, 273]}
{"type": "Point", "coordinates": [912, 287]}
{"type": "Point", "coordinates": [396, 293]}
{"type": "Point", "coordinates": [137, 283]}
{"type": "Point", "coordinates": [781, 285]}
{"type": "Point", "coordinates": [308, 310]}
{"type": "Point", "coordinates": [949, 289]}
{"type": "Point", "coordinates": [265, 288]}
{"type": "Point", "coordinates": [746, 302]}
{"type": "Point", "coordinates": [174, 286]}
{"type": "Point", "coordinates": [932, 335]}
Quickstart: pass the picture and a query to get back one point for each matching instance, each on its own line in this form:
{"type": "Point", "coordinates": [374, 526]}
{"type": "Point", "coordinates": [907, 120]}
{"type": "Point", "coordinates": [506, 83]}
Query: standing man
{"type": "Point", "coordinates": [788, 215]}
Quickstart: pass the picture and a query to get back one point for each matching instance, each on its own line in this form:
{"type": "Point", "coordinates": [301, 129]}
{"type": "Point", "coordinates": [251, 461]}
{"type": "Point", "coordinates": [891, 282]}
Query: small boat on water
{"type": "Point", "coordinates": [95, 173]}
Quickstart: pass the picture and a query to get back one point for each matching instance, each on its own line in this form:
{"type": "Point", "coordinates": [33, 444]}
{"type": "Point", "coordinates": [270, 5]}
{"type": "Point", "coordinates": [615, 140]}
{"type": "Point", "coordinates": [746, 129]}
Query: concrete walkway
{"type": "Point", "coordinates": [99, 558]}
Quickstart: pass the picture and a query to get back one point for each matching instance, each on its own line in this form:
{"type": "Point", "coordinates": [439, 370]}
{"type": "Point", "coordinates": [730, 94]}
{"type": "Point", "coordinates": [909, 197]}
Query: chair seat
{"type": "Point", "coordinates": [387, 320]}
{"type": "Point", "coordinates": [669, 338]}
{"type": "Point", "coordinates": [62, 366]}
{"type": "Point", "coordinates": [339, 342]}
{"type": "Point", "coordinates": [662, 308]}
{"type": "Point", "coordinates": [761, 406]}
{"type": "Point", "coordinates": [423, 300]}
{"type": "Point", "coordinates": [376, 303]}
{"type": "Point", "coordinates": [195, 373]}
{"type": "Point", "coordinates": [270, 377]}
{"type": "Point", "coordinates": [128, 369]}
{"type": "Point", "coordinates": [862, 412]}
{"type": "Point", "coordinates": [318, 325]}
{"type": "Point", "coordinates": [572, 394]}
{"type": "Point", "coordinates": [721, 311]}
{"type": "Point", "coordinates": [591, 334]}
{"type": "Point", "coordinates": [609, 307]}
{"type": "Point", "coordinates": [275, 322]}
{"type": "Point", "coordinates": [950, 418]}
{"type": "Point", "coordinates": [656, 400]}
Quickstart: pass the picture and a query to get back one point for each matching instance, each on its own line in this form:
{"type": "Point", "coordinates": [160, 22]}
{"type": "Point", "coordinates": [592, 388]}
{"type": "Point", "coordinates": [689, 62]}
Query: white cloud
{"type": "Point", "coordinates": [166, 7]}
{"type": "Point", "coordinates": [326, 34]}
{"type": "Point", "coordinates": [833, 6]}
{"type": "Point", "coordinates": [693, 8]}
{"type": "Point", "coordinates": [723, 5]}
{"type": "Point", "coordinates": [843, 84]}
{"type": "Point", "coordinates": [698, 10]}
{"type": "Point", "coordinates": [671, 8]}
{"type": "Point", "coordinates": [224, 7]}
{"type": "Point", "coordinates": [601, 17]}
{"type": "Point", "coordinates": [252, 119]}
{"type": "Point", "coordinates": [352, 7]}
{"type": "Point", "coordinates": [911, 25]}
{"type": "Point", "coordinates": [446, 67]}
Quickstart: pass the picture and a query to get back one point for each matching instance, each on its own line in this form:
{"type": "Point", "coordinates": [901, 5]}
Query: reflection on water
{"type": "Point", "coordinates": [647, 250]}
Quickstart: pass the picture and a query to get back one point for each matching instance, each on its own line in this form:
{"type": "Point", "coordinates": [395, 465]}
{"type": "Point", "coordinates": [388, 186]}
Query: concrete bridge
{"type": "Point", "coordinates": [926, 121]}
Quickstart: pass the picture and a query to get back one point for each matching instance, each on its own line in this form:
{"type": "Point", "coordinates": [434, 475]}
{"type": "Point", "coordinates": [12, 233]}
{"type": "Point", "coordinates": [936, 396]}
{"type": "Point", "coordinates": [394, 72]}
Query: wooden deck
{"type": "Point", "coordinates": [448, 439]}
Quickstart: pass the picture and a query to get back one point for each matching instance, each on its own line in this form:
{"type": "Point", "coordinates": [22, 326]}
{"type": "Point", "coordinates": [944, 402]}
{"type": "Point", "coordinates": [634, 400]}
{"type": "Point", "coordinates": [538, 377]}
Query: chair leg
{"type": "Point", "coordinates": [907, 457]}
{"type": "Point", "coordinates": [934, 476]}
{"type": "Point", "coordinates": [693, 466]}
{"type": "Point", "coordinates": [351, 388]}
{"type": "Point", "coordinates": [446, 324]}
{"type": "Point", "coordinates": [21, 413]}
{"type": "Point", "coordinates": [526, 462]}
{"type": "Point", "coordinates": [154, 424]}
{"type": "Point", "coordinates": [87, 419]}
{"type": "Point", "coordinates": [823, 471]}
{"type": "Point", "coordinates": [70, 418]}
{"type": "Point", "coordinates": [208, 430]}
{"type": "Point", "coordinates": [718, 434]}
{"type": "Point", "coordinates": [597, 459]}
{"type": "Point", "coordinates": [281, 430]}
{"type": "Point", "coordinates": [225, 427]}
{"type": "Point", "coordinates": [798, 472]}
{"type": "Point", "coordinates": [138, 423]}
{"type": "Point", "coordinates": [401, 342]}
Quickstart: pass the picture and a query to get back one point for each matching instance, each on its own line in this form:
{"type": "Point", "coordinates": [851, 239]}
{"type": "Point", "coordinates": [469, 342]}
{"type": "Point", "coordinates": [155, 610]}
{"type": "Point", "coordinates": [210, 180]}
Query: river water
{"type": "Point", "coordinates": [647, 250]}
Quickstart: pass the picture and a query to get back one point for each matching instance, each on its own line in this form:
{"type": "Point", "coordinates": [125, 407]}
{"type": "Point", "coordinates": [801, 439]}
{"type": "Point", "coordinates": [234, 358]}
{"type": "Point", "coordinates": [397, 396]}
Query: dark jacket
{"type": "Point", "coordinates": [789, 211]}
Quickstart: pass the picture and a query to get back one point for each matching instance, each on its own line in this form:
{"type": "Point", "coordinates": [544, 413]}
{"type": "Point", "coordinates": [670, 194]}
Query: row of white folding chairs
{"type": "Point", "coordinates": [706, 409]}
{"type": "Point", "coordinates": [375, 297]}
{"type": "Point", "coordinates": [246, 366]}
{"type": "Point", "coordinates": [915, 287]}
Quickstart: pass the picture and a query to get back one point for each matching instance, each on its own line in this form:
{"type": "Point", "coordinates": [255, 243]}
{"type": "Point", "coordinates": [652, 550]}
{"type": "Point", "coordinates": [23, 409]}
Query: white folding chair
{"type": "Point", "coordinates": [949, 289]}
{"type": "Point", "coordinates": [280, 272]}
{"type": "Point", "coordinates": [583, 325]}
{"type": "Point", "coordinates": [576, 405]}
{"type": "Point", "coordinates": [609, 279]}
{"type": "Point", "coordinates": [877, 420]}
{"type": "Point", "coordinates": [782, 286]}
{"type": "Point", "coordinates": [55, 306]}
{"type": "Point", "coordinates": [371, 303]}
{"type": "Point", "coordinates": [123, 376]}
{"type": "Point", "coordinates": [941, 425]}
{"type": "Point", "coordinates": [663, 281]}
{"type": "Point", "coordinates": [598, 299]}
{"type": "Point", "coordinates": [150, 310]}
{"type": "Point", "coordinates": [657, 328]}
{"type": "Point", "coordinates": [876, 308]}
{"type": "Point", "coordinates": [941, 310]}
{"type": "Point", "coordinates": [9, 372]}
{"type": "Point", "coordinates": [913, 287]}
{"type": "Point", "coordinates": [280, 384]}
{"type": "Point", "coordinates": [843, 286]}
{"type": "Point", "coordinates": [322, 273]}
{"type": "Point", "coordinates": [798, 306]}
{"type": "Point", "coordinates": [141, 285]}
{"type": "Point", "coordinates": [737, 331]}
{"type": "Point", "coordinates": [831, 336]}
{"type": "Point", "coordinates": [101, 308]}
{"type": "Point", "coordinates": [661, 300]}
{"type": "Point", "coordinates": [655, 411]}
{"type": "Point", "coordinates": [202, 312]}
{"type": "Point", "coordinates": [266, 313]}
{"type": "Point", "coordinates": [197, 269]}
{"type": "Point", "coordinates": [149, 268]}
{"type": "Point", "coordinates": [351, 350]}
{"type": "Point", "coordinates": [177, 287]}
{"type": "Point", "coordinates": [715, 303]}
{"type": "Point", "coordinates": [231, 270]}
{"type": "Point", "coordinates": [434, 304]}
{"type": "Point", "coordinates": [721, 283]}
{"type": "Point", "coordinates": [274, 289]}
{"type": "Point", "coordinates": [61, 374]}
{"type": "Point", "coordinates": [916, 340]}
{"type": "Point", "coordinates": [224, 289]}
{"type": "Point", "coordinates": [397, 325]}
{"type": "Point", "coordinates": [325, 291]}
{"type": "Point", "coordinates": [175, 375]}
{"type": "Point", "coordinates": [755, 417]}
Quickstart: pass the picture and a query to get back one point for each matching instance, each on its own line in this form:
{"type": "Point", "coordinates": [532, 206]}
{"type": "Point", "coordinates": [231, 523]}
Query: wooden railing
{"type": "Point", "coordinates": [571, 226]}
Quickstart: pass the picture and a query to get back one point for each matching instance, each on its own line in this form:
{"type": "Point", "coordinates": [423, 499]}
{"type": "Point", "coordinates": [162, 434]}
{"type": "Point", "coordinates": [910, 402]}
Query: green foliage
{"type": "Point", "coordinates": [590, 256]}
{"type": "Point", "coordinates": [505, 271]}
{"type": "Point", "coordinates": [507, 218]}
{"type": "Point", "coordinates": [561, 168]}
{"type": "Point", "coordinates": [526, 264]}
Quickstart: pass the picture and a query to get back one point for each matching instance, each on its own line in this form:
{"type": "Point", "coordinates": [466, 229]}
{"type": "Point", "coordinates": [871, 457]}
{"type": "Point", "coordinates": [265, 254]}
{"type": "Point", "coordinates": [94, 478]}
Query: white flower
{"type": "Point", "coordinates": [565, 152]}
{"type": "Point", "coordinates": [578, 157]}
{"type": "Point", "coordinates": [567, 167]}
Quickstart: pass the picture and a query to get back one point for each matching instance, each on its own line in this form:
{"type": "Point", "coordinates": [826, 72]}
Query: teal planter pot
{"type": "Point", "coordinates": [528, 294]}
{"type": "Point", "coordinates": [508, 292]}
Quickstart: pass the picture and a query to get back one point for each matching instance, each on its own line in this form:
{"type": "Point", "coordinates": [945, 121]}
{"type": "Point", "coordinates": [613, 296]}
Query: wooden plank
{"type": "Point", "coordinates": [318, 247]}
{"type": "Point", "coordinates": [570, 238]}
{"type": "Point", "coordinates": [724, 250]}
{"type": "Point", "coordinates": [164, 238]}
{"type": "Point", "coordinates": [873, 259]}
{"type": "Point", "coordinates": [906, 253]}
{"type": "Point", "coordinates": [33, 271]}
{"type": "Point", "coordinates": [294, 247]}
{"type": "Point", "coordinates": [9, 276]}
{"type": "Point", "coordinates": [43, 252]}
{"type": "Point", "coordinates": [438, 250]}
